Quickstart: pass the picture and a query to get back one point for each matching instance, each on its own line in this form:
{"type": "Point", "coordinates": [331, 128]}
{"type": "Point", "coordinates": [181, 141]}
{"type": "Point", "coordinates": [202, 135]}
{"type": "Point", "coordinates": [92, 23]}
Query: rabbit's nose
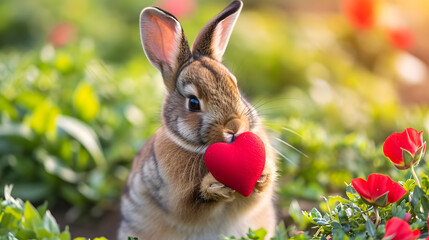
{"type": "Point", "coordinates": [229, 137]}
{"type": "Point", "coordinates": [233, 128]}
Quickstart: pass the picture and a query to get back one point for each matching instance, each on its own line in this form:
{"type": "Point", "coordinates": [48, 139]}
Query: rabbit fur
{"type": "Point", "coordinates": [169, 193]}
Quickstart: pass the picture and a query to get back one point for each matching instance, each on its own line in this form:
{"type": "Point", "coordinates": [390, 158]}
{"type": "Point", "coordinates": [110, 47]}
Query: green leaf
{"type": "Point", "coordinates": [321, 221]}
{"type": "Point", "coordinates": [281, 232]}
{"type": "Point", "coordinates": [16, 132]}
{"type": "Point", "coordinates": [382, 200]}
{"type": "Point", "coordinates": [398, 211]}
{"type": "Point", "coordinates": [361, 236]}
{"type": "Point", "coordinates": [43, 233]}
{"type": "Point", "coordinates": [42, 208]}
{"type": "Point", "coordinates": [86, 102]}
{"type": "Point", "coordinates": [65, 235]}
{"type": "Point", "coordinates": [334, 199]}
{"type": "Point", "coordinates": [43, 118]}
{"type": "Point", "coordinates": [258, 234]}
{"type": "Point", "coordinates": [10, 236]}
{"type": "Point", "coordinates": [407, 156]}
{"type": "Point", "coordinates": [350, 189]}
{"type": "Point", "coordinates": [338, 234]}
{"type": "Point", "coordinates": [416, 203]}
{"type": "Point", "coordinates": [425, 205]}
{"type": "Point", "coordinates": [418, 154]}
{"type": "Point", "coordinates": [315, 213]}
{"type": "Point", "coordinates": [10, 218]}
{"type": "Point", "coordinates": [425, 181]}
{"type": "Point", "coordinates": [409, 184]}
{"type": "Point", "coordinates": [50, 224]}
{"type": "Point", "coordinates": [32, 220]}
{"type": "Point", "coordinates": [85, 135]}
{"type": "Point", "coordinates": [370, 228]}
{"type": "Point", "coordinates": [336, 225]}
{"type": "Point", "coordinates": [56, 166]}
{"type": "Point", "coordinates": [26, 234]}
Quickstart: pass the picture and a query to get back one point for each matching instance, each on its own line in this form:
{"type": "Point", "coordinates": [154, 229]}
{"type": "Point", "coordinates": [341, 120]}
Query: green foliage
{"type": "Point", "coordinates": [62, 138]}
{"type": "Point", "coordinates": [352, 218]}
{"type": "Point", "coordinates": [251, 235]}
{"type": "Point", "coordinates": [19, 220]}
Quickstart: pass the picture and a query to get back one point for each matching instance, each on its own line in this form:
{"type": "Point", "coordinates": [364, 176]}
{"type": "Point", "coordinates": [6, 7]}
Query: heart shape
{"type": "Point", "coordinates": [238, 165]}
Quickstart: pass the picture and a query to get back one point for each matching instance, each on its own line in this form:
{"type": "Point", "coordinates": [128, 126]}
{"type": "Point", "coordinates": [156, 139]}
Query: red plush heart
{"type": "Point", "coordinates": [238, 165]}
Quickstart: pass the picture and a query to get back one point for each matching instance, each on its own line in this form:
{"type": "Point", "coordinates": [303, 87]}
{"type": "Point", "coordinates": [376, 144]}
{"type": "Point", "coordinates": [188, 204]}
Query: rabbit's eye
{"type": "Point", "coordinates": [194, 104]}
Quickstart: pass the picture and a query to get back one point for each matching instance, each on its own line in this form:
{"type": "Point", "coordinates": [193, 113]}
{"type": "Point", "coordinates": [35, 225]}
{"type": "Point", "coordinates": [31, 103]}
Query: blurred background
{"type": "Point", "coordinates": [331, 78]}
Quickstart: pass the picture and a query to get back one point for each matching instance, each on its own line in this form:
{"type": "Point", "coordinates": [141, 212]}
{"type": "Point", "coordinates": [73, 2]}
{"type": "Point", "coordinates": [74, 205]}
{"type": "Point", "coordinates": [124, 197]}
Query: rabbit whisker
{"type": "Point", "coordinates": [289, 145]}
{"type": "Point", "coordinates": [282, 155]}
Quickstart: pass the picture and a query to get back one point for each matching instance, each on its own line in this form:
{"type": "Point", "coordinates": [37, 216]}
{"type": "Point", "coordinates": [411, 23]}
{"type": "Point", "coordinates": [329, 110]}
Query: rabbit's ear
{"type": "Point", "coordinates": [164, 43]}
{"type": "Point", "coordinates": [214, 37]}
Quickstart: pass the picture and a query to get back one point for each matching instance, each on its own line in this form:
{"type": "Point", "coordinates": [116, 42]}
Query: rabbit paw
{"type": "Point", "coordinates": [262, 183]}
{"type": "Point", "coordinates": [211, 189]}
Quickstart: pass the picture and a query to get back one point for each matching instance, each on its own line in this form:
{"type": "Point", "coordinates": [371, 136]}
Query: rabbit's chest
{"type": "Point", "coordinates": [220, 226]}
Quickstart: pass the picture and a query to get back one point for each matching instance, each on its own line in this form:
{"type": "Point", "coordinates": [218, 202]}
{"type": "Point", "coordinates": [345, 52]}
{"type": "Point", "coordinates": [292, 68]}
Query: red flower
{"type": "Point", "coordinates": [179, 8]}
{"type": "Point", "coordinates": [405, 148]}
{"type": "Point", "coordinates": [379, 190]}
{"type": "Point", "coordinates": [400, 230]}
{"type": "Point", "coordinates": [62, 34]}
{"type": "Point", "coordinates": [401, 37]}
{"type": "Point", "coordinates": [360, 12]}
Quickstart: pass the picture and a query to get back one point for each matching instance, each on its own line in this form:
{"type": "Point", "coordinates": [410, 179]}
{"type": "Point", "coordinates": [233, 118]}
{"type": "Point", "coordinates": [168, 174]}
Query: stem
{"type": "Point", "coordinates": [329, 209]}
{"type": "Point", "coordinates": [415, 176]}
{"type": "Point", "coordinates": [377, 217]}
{"type": "Point", "coordinates": [318, 231]}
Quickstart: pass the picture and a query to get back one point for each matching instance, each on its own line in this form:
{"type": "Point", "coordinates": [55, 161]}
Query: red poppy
{"type": "Point", "coordinates": [361, 13]}
{"type": "Point", "coordinates": [379, 190]}
{"type": "Point", "coordinates": [405, 148]}
{"type": "Point", "coordinates": [398, 229]}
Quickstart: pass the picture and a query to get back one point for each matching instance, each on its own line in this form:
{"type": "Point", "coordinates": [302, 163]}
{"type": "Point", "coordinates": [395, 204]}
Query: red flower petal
{"type": "Point", "coordinates": [396, 191]}
{"type": "Point", "coordinates": [378, 185]}
{"type": "Point", "coordinates": [401, 37]}
{"type": "Point", "coordinates": [179, 8]}
{"type": "Point", "coordinates": [360, 12]}
{"type": "Point", "coordinates": [392, 148]}
{"type": "Point", "coordinates": [410, 140]}
{"type": "Point", "coordinates": [414, 139]}
{"type": "Point", "coordinates": [416, 234]}
{"type": "Point", "coordinates": [361, 187]}
{"type": "Point", "coordinates": [62, 34]}
{"type": "Point", "coordinates": [400, 230]}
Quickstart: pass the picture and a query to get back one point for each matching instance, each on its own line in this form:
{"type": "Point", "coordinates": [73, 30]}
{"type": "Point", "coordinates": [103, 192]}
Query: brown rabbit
{"type": "Point", "coordinates": [170, 194]}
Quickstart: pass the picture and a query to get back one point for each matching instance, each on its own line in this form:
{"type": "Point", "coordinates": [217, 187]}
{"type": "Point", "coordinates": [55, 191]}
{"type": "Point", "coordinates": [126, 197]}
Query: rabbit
{"type": "Point", "coordinates": [169, 193]}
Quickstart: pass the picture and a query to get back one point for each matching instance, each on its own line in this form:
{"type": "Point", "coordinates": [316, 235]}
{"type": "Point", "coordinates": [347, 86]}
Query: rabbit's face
{"type": "Point", "coordinates": [206, 106]}
{"type": "Point", "coordinates": [203, 104]}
